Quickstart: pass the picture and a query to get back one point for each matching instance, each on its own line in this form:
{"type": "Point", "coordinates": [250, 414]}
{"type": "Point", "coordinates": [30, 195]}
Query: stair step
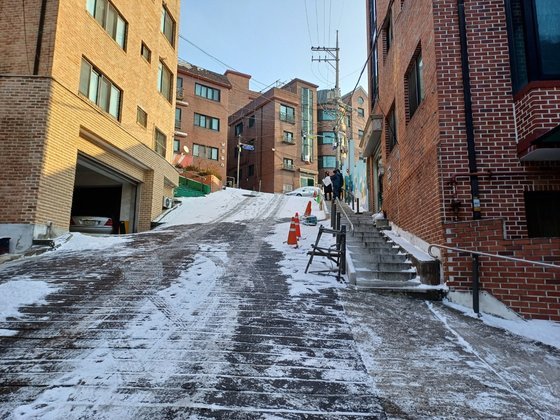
{"type": "Point", "coordinates": [372, 244]}
{"type": "Point", "coordinates": [385, 275]}
{"type": "Point", "coordinates": [370, 258]}
{"type": "Point", "coordinates": [384, 284]}
{"type": "Point", "coordinates": [385, 266]}
{"type": "Point", "coordinates": [368, 237]}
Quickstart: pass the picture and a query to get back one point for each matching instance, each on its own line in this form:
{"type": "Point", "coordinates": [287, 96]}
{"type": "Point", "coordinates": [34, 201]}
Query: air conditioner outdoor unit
{"type": "Point", "coordinates": [167, 202]}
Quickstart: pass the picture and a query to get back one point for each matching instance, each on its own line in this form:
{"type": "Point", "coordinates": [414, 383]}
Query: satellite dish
{"type": "Point", "coordinates": [186, 149]}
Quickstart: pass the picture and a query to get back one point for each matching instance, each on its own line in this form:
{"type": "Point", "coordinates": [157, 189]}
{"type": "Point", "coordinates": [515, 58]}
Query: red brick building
{"type": "Point", "coordinates": [464, 138]}
{"type": "Point", "coordinates": [201, 115]}
{"type": "Point", "coordinates": [280, 126]}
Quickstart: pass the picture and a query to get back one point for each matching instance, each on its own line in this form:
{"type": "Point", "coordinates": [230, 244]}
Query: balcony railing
{"type": "Point", "coordinates": [288, 140]}
{"type": "Point", "coordinates": [288, 166]}
{"type": "Point", "coordinates": [180, 94]}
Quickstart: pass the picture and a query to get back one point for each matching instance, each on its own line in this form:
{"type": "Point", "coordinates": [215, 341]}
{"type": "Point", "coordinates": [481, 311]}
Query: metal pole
{"type": "Point", "coordinates": [343, 248]}
{"type": "Point", "coordinates": [238, 158]}
{"type": "Point", "coordinates": [358, 205]}
{"type": "Point", "coordinates": [475, 285]}
{"type": "Point", "coordinates": [338, 221]}
{"type": "Point", "coordinates": [333, 214]}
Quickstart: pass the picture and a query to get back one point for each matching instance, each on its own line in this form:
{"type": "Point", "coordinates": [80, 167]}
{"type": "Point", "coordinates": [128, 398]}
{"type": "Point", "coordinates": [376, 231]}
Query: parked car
{"type": "Point", "coordinates": [305, 192]}
{"type": "Point", "coordinates": [91, 224]}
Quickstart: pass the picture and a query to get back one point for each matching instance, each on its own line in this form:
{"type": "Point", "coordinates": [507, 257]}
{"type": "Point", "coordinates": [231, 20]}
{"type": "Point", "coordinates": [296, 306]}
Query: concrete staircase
{"type": "Point", "coordinates": [374, 262]}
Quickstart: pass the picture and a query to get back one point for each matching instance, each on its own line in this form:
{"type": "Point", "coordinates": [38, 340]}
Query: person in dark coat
{"type": "Point", "coordinates": [337, 182]}
{"type": "Point", "coordinates": [327, 186]}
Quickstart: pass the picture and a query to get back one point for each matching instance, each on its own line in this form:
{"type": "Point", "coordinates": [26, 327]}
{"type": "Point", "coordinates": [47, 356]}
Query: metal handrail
{"type": "Point", "coordinates": [475, 267]}
{"type": "Point", "coordinates": [345, 215]}
{"type": "Point", "coordinates": [470, 251]}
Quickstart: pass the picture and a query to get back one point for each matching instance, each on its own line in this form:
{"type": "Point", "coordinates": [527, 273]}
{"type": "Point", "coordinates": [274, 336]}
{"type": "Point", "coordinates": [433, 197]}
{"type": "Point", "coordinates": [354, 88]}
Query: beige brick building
{"type": "Point", "coordinates": [86, 113]}
{"type": "Point", "coordinates": [280, 124]}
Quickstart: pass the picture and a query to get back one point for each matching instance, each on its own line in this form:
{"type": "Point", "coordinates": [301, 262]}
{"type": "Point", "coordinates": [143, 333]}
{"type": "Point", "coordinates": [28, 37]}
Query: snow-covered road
{"type": "Point", "coordinates": [212, 316]}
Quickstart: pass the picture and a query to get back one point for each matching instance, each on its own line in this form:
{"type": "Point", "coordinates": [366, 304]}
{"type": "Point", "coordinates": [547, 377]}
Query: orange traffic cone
{"type": "Point", "coordinates": [308, 210]}
{"type": "Point", "coordinates": [296, 221]}
{"type": "Point", "coordinates": [292, 237]}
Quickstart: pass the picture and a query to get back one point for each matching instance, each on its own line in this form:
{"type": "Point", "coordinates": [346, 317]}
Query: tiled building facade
{"type": "Point", "coordinates": [463, 138]}
{"type": "Point", "coordinates": [86, 112]}
{"type": "Point", "coordinates": [280, 126]}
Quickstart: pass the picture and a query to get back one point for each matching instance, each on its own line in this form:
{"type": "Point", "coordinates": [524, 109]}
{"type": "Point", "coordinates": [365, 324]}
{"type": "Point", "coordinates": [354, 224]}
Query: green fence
{"type": "Point", "coordinates": [189, 188]}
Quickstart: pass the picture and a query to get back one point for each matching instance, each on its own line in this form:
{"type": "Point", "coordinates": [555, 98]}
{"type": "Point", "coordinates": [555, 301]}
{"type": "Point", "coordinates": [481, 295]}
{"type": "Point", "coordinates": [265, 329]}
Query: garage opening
{"type": "Point", "coordinates": [102, 192]}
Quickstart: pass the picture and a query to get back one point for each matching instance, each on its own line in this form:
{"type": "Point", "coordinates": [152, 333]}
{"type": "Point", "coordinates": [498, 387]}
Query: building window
{"type": "Point", "coordinates": [168, 25]}
{"type": "Point", "coordinates": [251, 170]}
{"type": "Point", "coordinates": [141, 117]}
{"type": "Point", "coordinates": [534, 36]}
{"type": "Point", "coordinates": [160, 143]}
{"type": "Point", "coordinates": [179, 88]}
{"type": "Point", "coordinates": [288, 137]}
{"type": "Point", "coordinates": [414, 84]}
{"type": "Point", "coordinates": [165, 81]}
{"type": "Point", "coordinates": [206, 152]}
{"type": "Point", "coordinates": [205, 121]}
{"type": "Point", "coordinates": [100, 90]}
{"type": "Point", "coordinates": [327, 162]}
{"type": "Point", "coordinates": [287, 113]}
{"type": "Point", "coordinates": [109, 18]}
{"type": "Point", "coordinates": [327, 137]}
{"type": "Point", "coordinates": [251, 121]}
{"type": "Point", "coordinates": [238, 129]}
{"type": "Point", "coordinates": [387, 34]}
{"type": "Point", "coordinates": [360, 134]}
{"type": "Point", "coordinates": [146, 53]}
{"type": "Point", "coordinates": [178, 117]}
{"type": "Point", "coordinates": [207, 92]}
{"type": "Point", "coordinates": [176, 146]}
{"type": "Point", "coordinates": [543, 213]}
{"type": "Point", "coordinates": [288, 164]}
{"type": "Point", "coordinates": [361, 112]}
{"type": "Point", "coordinates": [327, 115]}
{"type": "Point", "coordinates": [306, 181]}
{"type": "Point", "coordinates": [391, 129]}
{"type": "Point", "coordinates": [360, 100]}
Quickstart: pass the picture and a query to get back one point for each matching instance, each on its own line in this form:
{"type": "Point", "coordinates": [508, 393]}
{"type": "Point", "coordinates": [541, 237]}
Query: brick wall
{"type": "Point", "coordinates": [23, 125]}
{"type": "Point", "coordinates": [426, 179]}
{"type": "Point", "coordinates": [530, 290]}
{"type": "Point", "coordinates": [536, 110]}
{"type": "Point", "coordinates": [43, 120]}
{"type": "Point", "coordinates": [200, 135]}
{"type": "Point", "coordinates": [411, 183]}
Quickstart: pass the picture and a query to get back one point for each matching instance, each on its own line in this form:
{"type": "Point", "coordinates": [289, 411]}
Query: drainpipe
{"type": "Point", "coordinates": [471, 150]}
{"type": "Point", "coordinates": [40, 37]}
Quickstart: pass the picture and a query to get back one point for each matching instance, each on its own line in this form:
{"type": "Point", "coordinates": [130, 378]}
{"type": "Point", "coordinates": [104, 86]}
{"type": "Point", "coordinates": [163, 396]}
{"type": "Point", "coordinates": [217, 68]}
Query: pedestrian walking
{"type": "Point", "coordinates": [348, 187]}
{"type": "Point", "coordinates": [327, 186]}
{"type": "Point", "coordinates": [337, 182]}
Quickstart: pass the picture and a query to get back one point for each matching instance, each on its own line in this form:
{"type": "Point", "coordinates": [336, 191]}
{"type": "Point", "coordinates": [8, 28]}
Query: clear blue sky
{"type": "Point", "coordinates": [272, 40]}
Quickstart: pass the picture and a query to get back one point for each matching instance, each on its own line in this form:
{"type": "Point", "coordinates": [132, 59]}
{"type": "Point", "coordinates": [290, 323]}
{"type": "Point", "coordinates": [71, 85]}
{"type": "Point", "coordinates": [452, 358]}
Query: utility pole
{"type": "Point", "coordinates": [333, 55]}
{"type": "Point", "coordinates": [238, 158]}
{"type": "Point", "coordinates": [240, 146]}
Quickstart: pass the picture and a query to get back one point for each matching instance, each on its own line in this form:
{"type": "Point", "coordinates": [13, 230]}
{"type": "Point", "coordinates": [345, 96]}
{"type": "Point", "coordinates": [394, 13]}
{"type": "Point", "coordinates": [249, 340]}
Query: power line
{"type": "Point", "coordinates": [218, 60]}
{"type": "Point", "coordinates": [308, 27]}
